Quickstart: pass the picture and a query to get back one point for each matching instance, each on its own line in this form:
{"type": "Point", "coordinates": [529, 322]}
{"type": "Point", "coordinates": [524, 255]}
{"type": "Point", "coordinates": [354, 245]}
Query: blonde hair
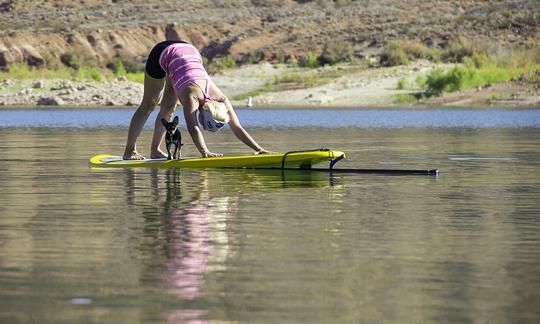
{"type": "Point", "coordinates": [218, 110]}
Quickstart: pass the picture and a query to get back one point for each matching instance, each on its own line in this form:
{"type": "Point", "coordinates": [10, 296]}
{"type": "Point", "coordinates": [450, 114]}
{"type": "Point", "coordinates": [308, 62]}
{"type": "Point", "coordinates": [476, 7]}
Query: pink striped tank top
{"type": "Point", "coordinates": [183, 63]}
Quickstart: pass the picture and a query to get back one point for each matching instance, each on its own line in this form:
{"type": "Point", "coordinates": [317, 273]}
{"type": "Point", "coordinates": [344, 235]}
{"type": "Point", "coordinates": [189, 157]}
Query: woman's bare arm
{"type": "Point", "coordinates": [234, 122]}
{"type": "Point", "coordinates": [240, 132]}
{"type": "Point", "coordinates": [190, 105]}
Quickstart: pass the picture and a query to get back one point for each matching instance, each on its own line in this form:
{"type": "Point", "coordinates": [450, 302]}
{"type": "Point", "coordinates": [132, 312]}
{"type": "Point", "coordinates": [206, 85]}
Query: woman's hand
{"type": "Point", "coordinates": [210, 154]}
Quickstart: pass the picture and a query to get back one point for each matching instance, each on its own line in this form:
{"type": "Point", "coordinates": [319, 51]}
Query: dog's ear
{"type": "Point", "coordinates": [164, 122]}
{"type": "Point", "coordinates": [175, 120]}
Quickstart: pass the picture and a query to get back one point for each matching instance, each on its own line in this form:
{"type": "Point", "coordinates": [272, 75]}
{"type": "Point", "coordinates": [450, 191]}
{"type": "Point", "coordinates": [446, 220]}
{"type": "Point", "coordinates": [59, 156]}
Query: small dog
{"type": "Point", "coordinates": [172, 137]}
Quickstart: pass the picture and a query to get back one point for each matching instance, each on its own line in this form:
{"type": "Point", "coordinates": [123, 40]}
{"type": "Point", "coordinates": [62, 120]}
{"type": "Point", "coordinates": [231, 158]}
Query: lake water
{"type": "Point", "coordinates": [152, 246]}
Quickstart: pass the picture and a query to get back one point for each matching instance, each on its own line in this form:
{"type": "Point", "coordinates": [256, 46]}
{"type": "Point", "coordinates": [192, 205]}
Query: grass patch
{"type": "Point", "coordinates": [401, 84]}
{"type": "Point", "coordinates": [405, 98]}
{"type": "Point", "coordinates": [457, 50]}
{"type": "Point", "coordinates": [61, 72]}
{"type": "Point", "coordinates": [461, 78]}
{"type": "Point", "coordinates": [221, 64]}
{"type": "Point", "coordinates": [254, 93]}
{"type": "Point", "coordinates": [131, 71]}
{"type": "Point", "coordinates": [481, 70]}
{"type": "Point", "coordinates": [306, 79]}
{"type": "Point", "coordinates": [298, 79]}
{"type": "Point", "coordinates": [401, 52]}
{"type": "Point", "coordinates": [310, 60]}
{"type": "Point", "coordinates": [137, 77]}
{"type": "Point", "coordinates": [89, 73]}
{"type": "Point", "coordinates": [336, 52]}
{"type": "Point", "coordinates": [23, 71]}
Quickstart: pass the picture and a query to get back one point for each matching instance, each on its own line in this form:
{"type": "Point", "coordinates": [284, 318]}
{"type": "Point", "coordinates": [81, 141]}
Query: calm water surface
{"type": "Point", "coordinates": [150, 246]}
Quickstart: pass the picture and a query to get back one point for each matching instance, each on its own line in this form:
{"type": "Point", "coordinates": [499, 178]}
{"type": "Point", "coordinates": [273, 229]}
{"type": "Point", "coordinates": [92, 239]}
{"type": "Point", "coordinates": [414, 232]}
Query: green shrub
{"type": "Point", "coordinates": [85, 73]}
{"type": "Point", "coordinates": [439, 81]}
{"type": "Point", "coordinates": [393, 57]}
{"type": "Point", "coordinates": [119, 68]}
{"type": "Point", "coordinates": [401, 52]}
{"type": "Point", "coordinates": [19, 71]}
{"type": "Point", "coordinates": [459, 78]}
{"type": "Point", "coordinates": [405, 98]}
{"type": "Point", "coordinates": [476, 61]}
{"type": "Point", "coordinates": [336, 52]}
{"type": "Point", "coordinates": [95, 75]}
{"type": "Point", "coordinates": [457, 50]}
{"type": "Point", "coordinates": [220, 64]}
{"type": "Point", "coordinates": [133, 66]}
{"type": "Point", "coordinates": [70, 59]}
{"type": "Point", "coordinates": [309, 60]}
{"type": "Point", "coordinates": [401, 84]}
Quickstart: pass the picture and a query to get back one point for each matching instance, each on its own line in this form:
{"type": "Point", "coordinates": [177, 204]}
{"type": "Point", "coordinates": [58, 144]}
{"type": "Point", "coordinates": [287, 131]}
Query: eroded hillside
{"type": "Point", "coordinates": [41, 32]}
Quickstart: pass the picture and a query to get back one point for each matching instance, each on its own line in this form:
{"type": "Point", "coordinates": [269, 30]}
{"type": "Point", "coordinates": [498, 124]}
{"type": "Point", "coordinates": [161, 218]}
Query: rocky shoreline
{"type": "Point", "coordinates": [117, 92]}
{"type": "Point", "coordinates": [354, 88]}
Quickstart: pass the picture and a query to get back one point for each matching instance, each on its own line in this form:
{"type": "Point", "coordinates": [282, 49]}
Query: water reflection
{"type": "Point", "coordinates": [186, 222]}
{"type": "Point", "coordinates": [190, 229]}
{"type": "Point", "coordinates": [151, 246]}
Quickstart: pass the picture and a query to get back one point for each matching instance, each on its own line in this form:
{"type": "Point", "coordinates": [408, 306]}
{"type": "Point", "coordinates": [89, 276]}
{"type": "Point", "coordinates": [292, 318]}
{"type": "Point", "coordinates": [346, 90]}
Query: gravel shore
{"type": "Point", "coordinates": [354, 88]}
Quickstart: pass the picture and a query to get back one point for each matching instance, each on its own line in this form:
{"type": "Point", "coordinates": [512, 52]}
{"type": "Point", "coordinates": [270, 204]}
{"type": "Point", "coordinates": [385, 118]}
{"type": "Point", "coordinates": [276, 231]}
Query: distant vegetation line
{"type": "Point", "coordinates": [477, 65]}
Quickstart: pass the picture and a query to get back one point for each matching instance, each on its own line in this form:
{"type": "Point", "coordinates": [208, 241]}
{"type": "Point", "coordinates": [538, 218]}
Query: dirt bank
{"type": "Point", "coordinates": [100, 31]}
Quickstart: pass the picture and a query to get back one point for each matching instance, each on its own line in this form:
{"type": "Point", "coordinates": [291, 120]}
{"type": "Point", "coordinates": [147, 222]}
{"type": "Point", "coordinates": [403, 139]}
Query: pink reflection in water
{"type": "Point", "coordinates": [186, 316]}
{"type": "Point", "coordinates": [190, 250]}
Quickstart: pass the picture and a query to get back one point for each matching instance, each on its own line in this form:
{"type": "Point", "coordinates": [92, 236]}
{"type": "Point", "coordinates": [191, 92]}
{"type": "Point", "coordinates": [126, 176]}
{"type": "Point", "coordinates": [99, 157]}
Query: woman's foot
{"type": "Point", "coordinates": [210, 154]}
{"type": "Point", "coordinates": [133, 156]}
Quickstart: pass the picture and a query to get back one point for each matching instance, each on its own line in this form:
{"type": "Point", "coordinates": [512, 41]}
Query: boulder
{"type": "Point", "coordinates": [50, 101]}
{"type": "Point", "coordinates": [39, 84]}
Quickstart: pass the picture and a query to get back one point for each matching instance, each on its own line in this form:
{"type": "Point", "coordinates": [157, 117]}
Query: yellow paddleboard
{"type": "Point", "coordinates": [292, 160]}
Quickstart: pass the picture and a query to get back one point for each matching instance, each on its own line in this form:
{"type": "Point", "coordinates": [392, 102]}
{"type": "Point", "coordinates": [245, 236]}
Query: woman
{"type": "Point", "coordinates": [174, 70]}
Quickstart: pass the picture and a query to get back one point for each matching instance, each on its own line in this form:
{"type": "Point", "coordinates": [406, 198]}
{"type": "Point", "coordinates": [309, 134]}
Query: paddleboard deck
{"type": "Point", "coordinates": [301, 160]}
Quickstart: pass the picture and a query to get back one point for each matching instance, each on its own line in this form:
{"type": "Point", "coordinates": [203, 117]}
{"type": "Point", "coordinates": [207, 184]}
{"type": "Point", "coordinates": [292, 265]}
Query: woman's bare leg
{"type": "Point", "coordinates": [167, 107]}
{"type": "Point", "coordinates": [153, 89]}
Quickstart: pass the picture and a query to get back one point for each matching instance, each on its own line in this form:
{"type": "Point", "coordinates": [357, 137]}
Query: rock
{"type": "Point", "coordinates": [66, 92]}
{"type": "Point", "coordinates": [6, 82]}
{"type": "Point", "coordinates": [50, 101]}
{"type": "Point", "coordinates": [63, 85]}
{"type": "Point", "coordinates": [39, 84]}
{"type": "Point", "coordinates": [121, 78]}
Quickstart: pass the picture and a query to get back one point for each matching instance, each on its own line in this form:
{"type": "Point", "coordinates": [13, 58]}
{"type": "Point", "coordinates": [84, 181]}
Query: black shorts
{"type": "Point", "coordinates": [152, 63]}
